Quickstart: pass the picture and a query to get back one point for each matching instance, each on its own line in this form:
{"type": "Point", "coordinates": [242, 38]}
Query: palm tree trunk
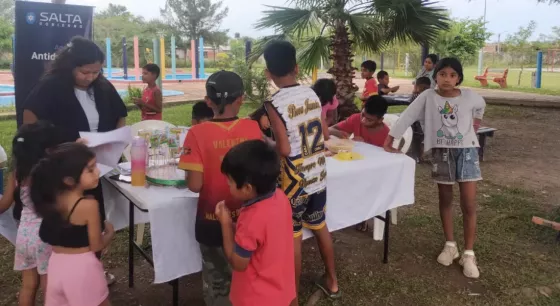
{"type": "Point", "coordinates": [343, 71]}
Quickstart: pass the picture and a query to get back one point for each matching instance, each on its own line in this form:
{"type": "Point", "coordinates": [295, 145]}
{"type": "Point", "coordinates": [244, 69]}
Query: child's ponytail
{"type": "Point", "coordinates": [43, 188]}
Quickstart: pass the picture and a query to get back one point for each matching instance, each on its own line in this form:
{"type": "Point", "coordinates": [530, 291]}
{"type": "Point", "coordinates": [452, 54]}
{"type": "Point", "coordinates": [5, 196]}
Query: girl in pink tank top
{"type": "Point", "coordinates": [151, 102]}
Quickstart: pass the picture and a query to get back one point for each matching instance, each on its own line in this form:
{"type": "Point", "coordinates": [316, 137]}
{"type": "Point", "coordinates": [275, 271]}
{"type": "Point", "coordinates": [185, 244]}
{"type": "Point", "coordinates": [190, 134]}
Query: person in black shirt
{"type": "Point", "coordinates": [383, 87]}
{"type": "Point", "coordinates": [76, 97]}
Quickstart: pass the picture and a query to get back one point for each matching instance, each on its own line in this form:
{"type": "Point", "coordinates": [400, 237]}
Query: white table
{"type": "Point", "coordinates": [356, 191]}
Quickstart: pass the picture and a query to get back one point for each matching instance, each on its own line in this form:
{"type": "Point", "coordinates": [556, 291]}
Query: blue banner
{"type": "Point", "coordinates": [40, 30]}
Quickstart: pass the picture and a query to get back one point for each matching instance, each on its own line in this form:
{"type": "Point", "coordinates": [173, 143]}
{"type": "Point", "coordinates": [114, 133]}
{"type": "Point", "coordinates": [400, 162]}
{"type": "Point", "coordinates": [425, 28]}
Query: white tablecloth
{"type": "Point", "coordinates": [356, 191]}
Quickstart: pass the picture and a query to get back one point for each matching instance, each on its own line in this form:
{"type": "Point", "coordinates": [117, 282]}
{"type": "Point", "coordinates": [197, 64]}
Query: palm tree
{"type": "Point", "coordinates": [325, 30]}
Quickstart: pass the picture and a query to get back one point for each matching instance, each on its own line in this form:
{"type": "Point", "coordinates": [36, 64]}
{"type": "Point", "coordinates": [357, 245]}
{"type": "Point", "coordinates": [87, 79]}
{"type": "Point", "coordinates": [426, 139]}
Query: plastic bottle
{"type": "Point", "coordinates": [138, 154]}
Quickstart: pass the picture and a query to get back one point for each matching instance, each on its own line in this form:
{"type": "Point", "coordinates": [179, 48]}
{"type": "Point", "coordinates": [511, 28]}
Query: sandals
{"type": "Point", "coordinates": [322, 284]}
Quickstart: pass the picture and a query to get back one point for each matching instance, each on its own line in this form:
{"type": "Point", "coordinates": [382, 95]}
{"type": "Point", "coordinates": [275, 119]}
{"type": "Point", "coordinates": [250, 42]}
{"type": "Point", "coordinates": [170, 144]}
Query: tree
{"type": "Point", "coordinates": [194, 18]}
{"type": "Point", "coordinates": [217, 39]}
{"type": "Point", "coordinates": [328, 29]}
{"type": "Point", "coordinates": [463, 40]}
{"type": "Point", "coordinates": [114, 10]}
{"type": "Point", "coordinates": [7, 10]}
{"type": "Point", "coordinates": [518, 44]}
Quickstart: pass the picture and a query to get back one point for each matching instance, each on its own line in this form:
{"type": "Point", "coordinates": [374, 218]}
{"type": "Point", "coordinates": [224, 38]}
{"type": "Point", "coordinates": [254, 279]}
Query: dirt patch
{"type": "Point", "coordinates": [518, 260]}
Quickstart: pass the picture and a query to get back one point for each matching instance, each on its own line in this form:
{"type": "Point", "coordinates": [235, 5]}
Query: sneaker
{"type": "Point", "coordinates": [110, 278]}
{"type": "Point", "coordinates": [448, 254]}
{"type": "Point", "coordinates": [470, 269]}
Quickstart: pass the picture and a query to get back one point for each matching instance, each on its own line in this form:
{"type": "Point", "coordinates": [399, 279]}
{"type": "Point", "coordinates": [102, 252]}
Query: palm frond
{"type": "Point", "coordinates": [259, 45]}
{"type": "Point", "coordinates": [418, 20]}
{"type": "Point", "coordinates": [289, 20]}
{"type": "Point", "coordinates": [314, 50]}
{"type": "Point", "coordinates": [367, 30]}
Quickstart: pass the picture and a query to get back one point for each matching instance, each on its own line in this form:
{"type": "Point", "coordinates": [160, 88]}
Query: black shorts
{"type": "Point", "coordinates": [308, 211]}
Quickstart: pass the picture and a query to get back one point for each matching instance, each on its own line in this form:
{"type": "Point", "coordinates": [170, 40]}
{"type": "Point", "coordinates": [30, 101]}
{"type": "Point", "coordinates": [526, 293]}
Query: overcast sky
{"type": "Point", "coordinates": [503, 16]}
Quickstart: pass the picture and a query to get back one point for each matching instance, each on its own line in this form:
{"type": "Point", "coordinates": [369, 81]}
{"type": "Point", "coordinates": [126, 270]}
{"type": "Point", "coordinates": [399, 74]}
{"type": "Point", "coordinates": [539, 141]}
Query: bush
{"type": "Point", "coordinates": [132, 94]}
{"type": "Point", "coordinates": [257, 87]}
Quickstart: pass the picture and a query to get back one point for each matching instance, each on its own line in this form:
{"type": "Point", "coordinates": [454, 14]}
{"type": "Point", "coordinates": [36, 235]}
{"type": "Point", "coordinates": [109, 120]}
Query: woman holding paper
{"type": "Point", "coordinates": [76, 97]}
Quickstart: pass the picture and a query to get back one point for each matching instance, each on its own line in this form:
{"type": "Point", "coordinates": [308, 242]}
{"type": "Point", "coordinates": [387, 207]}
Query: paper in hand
{"type": "Point", "coordinates": [108, 147]}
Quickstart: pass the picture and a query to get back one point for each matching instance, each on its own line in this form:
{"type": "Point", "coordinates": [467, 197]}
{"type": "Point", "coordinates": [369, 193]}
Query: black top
{"type": "Point", "coordinates": [380, 88]}
{"type": "Point", "coordinates": [59, 232]}
{"type": "Point", "coordinates": [53, 99]}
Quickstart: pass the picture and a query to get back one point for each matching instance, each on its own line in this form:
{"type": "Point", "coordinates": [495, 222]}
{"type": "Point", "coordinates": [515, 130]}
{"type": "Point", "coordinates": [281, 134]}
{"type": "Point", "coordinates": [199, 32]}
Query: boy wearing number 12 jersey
{"type": "Point", "coordinates": [299, 132]}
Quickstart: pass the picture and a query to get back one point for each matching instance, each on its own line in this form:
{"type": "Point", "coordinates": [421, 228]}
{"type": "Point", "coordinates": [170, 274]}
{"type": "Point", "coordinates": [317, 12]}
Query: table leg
{"type": "Point", "coordinates": [175, 285]}
{"type": "Point", "coordinates": [131, 245]}
{"type": "Point", "coordinates": [482, 143]}
{"type": "Point", "coordinates": [386, 237]}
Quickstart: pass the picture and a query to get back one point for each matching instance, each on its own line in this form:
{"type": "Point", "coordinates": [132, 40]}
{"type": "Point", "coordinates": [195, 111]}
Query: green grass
{"type": "Point", "coordinates": [550, 81]}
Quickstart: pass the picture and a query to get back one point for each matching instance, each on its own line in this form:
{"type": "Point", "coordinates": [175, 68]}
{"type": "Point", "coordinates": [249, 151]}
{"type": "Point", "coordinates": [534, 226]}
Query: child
{"type": "Point", "coordinates": [151, 102]}
{"type": "Point", "coordinates": [205, 147]}
{"type": "Point", "coordinates": [326, 91]}
{"type": "Point", "coordinates": [71, 225]}
{"type": "Point", "coordinates": [370, 88]}
{"type": "Point", "coordinates": [261, 253]}
{"type": "Point", "coordinates": [383, 88]}
{"type": "Point", "coordinates": [295, 118]}
{"type": "Point", "coordinates": [201, 112]}
{"type": "Point", "coordinates": [31, 254]}
{"type": "Point", "coordinates": [366, 126]}
{"type": "Point", "coordinates": [417, 148]}
{"type": "Point", "coordinates": [452, 117]}
{"type": "Point", "coordinates": [261, 117]}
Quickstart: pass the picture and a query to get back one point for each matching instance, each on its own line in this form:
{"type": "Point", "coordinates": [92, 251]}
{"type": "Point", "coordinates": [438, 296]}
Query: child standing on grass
{"type": "Point", "coordinates": [295, 117]}
{"type": "Point", "coordinates": [205, 146]}
{"type": "Point", "coordinates": [201, 112]}
{"type": "Point", "coordinates": [151, 102]}
{"type": "Point", "coordinates": [262, 247]}
{"type": "Point", "coordinates": [71, 225]}
{"type": "Point", "coordinates": [31, 254]}
{"type": "Point", "coordinates": [452, 117]}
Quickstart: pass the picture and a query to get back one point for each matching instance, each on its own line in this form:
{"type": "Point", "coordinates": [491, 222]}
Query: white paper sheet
{"type": "Point", "coordinates": [108, 147]}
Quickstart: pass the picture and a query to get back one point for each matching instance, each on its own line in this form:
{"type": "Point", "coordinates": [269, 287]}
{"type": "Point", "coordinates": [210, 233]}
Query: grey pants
{"type": "Point", "coordinates": [216, 276]}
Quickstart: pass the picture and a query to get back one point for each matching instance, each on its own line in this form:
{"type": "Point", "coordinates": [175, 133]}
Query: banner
{"type": "Point", "coordinates": [40, 30]}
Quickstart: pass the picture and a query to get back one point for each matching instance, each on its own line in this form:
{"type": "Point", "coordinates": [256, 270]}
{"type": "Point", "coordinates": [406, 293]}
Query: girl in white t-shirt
{"type": "Point", "coordinates": [451, 117]}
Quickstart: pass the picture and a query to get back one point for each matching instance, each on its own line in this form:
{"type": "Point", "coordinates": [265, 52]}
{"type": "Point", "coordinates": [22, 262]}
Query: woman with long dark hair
{"type": "Point", "coordinates": [76, 97]}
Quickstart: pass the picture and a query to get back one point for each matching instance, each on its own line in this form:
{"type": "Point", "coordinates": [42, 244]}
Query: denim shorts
{"type": "Point", "coordinates": [455, 165]}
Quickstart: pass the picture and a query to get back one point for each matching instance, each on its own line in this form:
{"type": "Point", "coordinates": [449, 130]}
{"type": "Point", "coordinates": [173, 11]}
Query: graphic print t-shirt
{"type": "Point", "coordinates": [447, 122]}
{"type": "Point", "coordinates": [305, 169]}
{"type": "Point", "coordinates": [205, 146]}
{"type": "Point", "coordinates": [370, 88]}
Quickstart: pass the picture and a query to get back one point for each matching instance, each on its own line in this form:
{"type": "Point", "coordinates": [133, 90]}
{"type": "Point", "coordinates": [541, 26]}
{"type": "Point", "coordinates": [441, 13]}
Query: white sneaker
{"type": "Point", "coordinates": [448, 254]}
{"type": "Point", "coordinates": [470, 270]}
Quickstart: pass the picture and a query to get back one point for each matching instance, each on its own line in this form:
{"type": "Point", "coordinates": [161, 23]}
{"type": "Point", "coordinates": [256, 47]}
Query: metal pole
{"type": "Point", "coordinates": [173, 58]}
{"type": "Point", "coordinates": [481, 53]}
{"type": "Point", "coordinates": [538, 76]}
{"type": "Point", "coordinates": [382, 60]}
{"type": "Point", "coordinates": [108, 51]}
{"type": "Point", "coordinates": [201, 57]}
{"type": "Point", "coordinates": [124, 59]}
{"type": "Point", "coordinates": [157, 60]}
{"type": "Point", "coordinates": [247, 50]}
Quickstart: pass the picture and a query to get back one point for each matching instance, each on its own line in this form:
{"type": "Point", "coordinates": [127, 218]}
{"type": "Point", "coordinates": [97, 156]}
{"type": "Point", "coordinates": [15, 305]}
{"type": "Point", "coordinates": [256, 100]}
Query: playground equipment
{"type": "Point", "coordinates": [159, 59]}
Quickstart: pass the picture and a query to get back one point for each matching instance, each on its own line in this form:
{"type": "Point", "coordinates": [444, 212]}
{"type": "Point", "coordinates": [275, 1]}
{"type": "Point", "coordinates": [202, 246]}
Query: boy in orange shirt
{"type": "Point", "coordinates": [205, 146]}
{"type": "Point", "coordinates": [370, 88]}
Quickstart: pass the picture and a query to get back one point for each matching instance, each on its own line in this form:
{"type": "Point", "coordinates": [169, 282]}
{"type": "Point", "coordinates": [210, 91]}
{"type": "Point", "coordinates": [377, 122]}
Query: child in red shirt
{"type": "Point", "coordinates": [151, 102]}
{"type": "Point", "coordinates": [366, 126]}
{"type": "Point", "coordinates": [370, 88]}
{"type": "Point", "coordinates": [205, 146]}
{"type": "Point", "coordinates": [261, 250]}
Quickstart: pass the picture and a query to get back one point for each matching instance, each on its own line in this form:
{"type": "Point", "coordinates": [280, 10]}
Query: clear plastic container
{"type": "Point", "coordinates": [138, 156]}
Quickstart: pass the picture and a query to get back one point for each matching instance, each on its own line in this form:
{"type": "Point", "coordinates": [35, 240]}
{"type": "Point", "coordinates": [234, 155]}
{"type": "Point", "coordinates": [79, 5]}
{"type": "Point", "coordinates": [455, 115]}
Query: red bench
{"type": "Point", "coordinates": [497, 75]}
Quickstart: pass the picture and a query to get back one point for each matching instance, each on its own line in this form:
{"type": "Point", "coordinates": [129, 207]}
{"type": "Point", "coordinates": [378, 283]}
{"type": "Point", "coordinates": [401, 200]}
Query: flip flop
{"type": "Point", "coordinates": [322, 284]}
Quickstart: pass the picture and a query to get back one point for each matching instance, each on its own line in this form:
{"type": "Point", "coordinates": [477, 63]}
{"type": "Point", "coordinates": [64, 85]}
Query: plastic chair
{"type": "Point", "coordinates": [145, 125]}
{"type": "Point", "coordinates": [378, 225]}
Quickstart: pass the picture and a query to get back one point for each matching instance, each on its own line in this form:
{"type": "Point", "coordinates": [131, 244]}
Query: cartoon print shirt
{"type": "Point", "coordinates": [447, 122]}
